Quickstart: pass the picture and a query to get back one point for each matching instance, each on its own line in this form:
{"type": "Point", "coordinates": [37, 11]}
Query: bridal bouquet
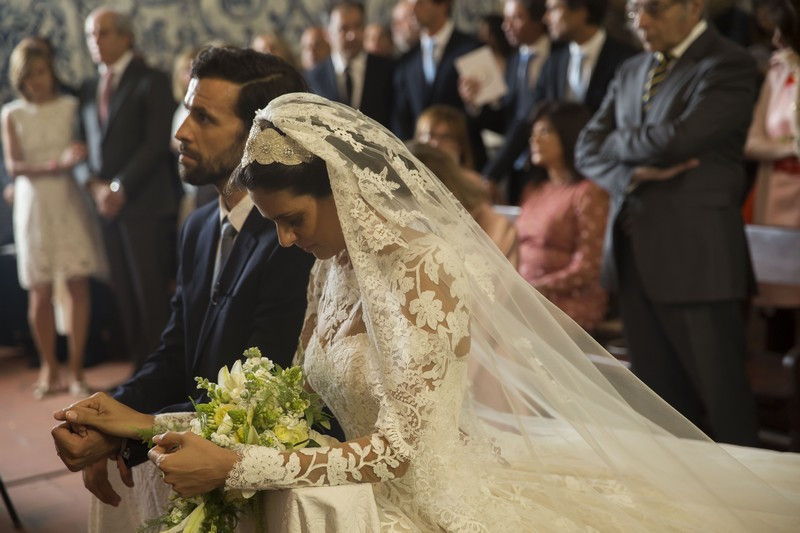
{"type": "Point", "coordinates": [255, 402]}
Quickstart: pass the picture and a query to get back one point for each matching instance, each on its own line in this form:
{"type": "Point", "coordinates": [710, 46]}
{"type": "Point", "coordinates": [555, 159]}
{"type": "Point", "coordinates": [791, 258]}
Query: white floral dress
{"type": "Point", "coordinates": [55, 236]}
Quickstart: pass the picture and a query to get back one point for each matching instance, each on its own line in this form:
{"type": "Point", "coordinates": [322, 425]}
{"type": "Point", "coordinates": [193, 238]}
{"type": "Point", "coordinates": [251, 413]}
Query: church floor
{"type": "Point", "coordinates": [47, 497]}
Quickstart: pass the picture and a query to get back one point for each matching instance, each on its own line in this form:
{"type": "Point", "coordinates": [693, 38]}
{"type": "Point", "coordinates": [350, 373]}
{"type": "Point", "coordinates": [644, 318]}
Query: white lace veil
{"type": "Point", "coordinates": [553, 403]}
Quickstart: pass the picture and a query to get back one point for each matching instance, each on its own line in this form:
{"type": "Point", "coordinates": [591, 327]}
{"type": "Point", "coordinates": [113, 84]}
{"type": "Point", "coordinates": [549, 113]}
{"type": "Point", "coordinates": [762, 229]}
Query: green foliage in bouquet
{"type": "Point", "coordinates": [255, 402]}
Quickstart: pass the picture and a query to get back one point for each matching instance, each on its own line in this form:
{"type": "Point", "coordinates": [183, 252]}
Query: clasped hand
{"type": "Point", "coordinates": [661, 174]}
{"type": "Point", "coordinates": [92, 430]}
{"type": "Point", "coordinates": [190, 463]}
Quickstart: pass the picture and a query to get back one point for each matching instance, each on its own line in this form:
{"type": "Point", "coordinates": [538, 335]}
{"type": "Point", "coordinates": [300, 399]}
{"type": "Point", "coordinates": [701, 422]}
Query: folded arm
{"type": "Point", "coordinates": [722, 92]}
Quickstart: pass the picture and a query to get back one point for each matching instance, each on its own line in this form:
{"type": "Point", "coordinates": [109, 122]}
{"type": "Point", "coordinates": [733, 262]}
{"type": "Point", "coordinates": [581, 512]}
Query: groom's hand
{"type": "Point", "coordinates": [105, 414]}
{"type": "Point", "coordinates": [79, 449]}
{"type": "Point", "coordinates": [95, 479]}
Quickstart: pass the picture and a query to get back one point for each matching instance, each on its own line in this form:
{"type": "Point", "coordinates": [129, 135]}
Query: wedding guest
{"type": "Point", "coordinates": [445, 127]}
{"type": "Point", "coordinates": [774, 141]}
{"type": "Point", "coordinates": [667, 144]}
{"type": "Point", "coordinates": [405, 28]}
{"type": "Point", "coordinates": [314, 47]}
{"type": "Point", "coordinates": [378, 40]}
{"type": "Point", "coordinates": [472, 195]}
{"type": "Point", "coordinates": [125, 113]}
{"type": "Point", "coordinates": [427, 74]}
{"type": "Point", "coordinates": [255, 297]}
{"type": "Point", "coordinates": [563, 219]}
{"type": "Point", "coordinates": [273, 43]}
{"type": "Point", "coordinates": [349, 74]}
{"type": "Point", "coordinates": [56, 240]}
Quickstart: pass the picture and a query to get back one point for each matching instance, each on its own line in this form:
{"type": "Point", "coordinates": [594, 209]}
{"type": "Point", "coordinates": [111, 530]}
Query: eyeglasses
{"type": "Point", "coordinates": [653, 9]}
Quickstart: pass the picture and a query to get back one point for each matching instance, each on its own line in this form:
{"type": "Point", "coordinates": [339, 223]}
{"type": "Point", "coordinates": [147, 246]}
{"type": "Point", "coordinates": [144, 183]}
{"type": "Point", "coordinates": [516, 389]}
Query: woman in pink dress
{"type": "Point", "coordinates": [563, 219]}
{"type": "Point", "coordinates": [774, 141]}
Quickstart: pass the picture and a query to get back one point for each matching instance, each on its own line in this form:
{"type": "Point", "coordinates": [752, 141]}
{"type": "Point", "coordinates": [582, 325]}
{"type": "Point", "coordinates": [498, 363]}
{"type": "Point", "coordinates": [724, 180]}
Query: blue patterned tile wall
{"type": "Point", "coordinates": [164, 27]}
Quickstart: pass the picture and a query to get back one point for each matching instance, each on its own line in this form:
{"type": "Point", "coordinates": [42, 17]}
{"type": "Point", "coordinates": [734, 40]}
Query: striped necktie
{"type": "Point", "coordinates": [655, 76]}
{"type": "Point", "coordinates": [226, 238]}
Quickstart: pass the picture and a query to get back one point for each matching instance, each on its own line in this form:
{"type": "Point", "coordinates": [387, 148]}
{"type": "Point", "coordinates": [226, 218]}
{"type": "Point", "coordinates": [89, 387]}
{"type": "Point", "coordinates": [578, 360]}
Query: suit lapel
{"type": "Point", "coordinates": [120, 93]}
{"type": "Point", "coordinates": [562, 62]}
{"type": "Point", "coordinates": [243, 248]}
{"type": "Point", "coordinates": [416, 78]}
{"type": "Point", "coordinates": [443, 66]}
{"type": "Point", "coordinates": [635, 100]}
{"type": "Point", "coordinates": [91, 116]}
{"type": "Point", "coordinates": [366, 91]}
{"type": "Point", "coordinates": [682, 72]}
{"type": "Point", "coordinates": [329, 79]}
{"type": "Point", "coordinates": [598, 82]}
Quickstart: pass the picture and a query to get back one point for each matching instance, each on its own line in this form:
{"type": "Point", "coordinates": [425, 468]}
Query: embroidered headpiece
{"type": "Point", "coordinates": [270, 146]}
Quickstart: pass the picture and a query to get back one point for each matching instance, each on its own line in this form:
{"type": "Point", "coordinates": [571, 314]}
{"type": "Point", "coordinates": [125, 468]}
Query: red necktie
{"type": "Point", "coordinates": [105, 96]}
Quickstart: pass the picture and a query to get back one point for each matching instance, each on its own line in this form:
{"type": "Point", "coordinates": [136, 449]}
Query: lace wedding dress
{"type": "Point", "coordinates": [469, 401]}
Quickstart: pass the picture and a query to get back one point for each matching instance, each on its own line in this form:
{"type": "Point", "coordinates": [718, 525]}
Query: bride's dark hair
{"type": "Point", "coordinates": [309, 178]}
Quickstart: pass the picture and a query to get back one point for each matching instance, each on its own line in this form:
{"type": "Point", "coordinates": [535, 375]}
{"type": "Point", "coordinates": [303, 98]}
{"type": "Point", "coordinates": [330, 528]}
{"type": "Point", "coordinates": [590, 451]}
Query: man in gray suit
{"type": "Point", "coordinates": [125, 117]}
{"type": "Point", "coordinates": [666, 144]}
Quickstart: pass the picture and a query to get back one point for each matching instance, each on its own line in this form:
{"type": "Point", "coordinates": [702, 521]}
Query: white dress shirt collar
{"type": "Point", "coordinates": [358, 70]}
{"type": "Point", "coordinates": [540, 47]}
{"type": "Point", "coordinates": [238, 215]}
{"type": "Point", "coordinates": [117, 68]}
{"type": "Point", "coordinates": [441, 38]}
{"type": "Point", "coordinates": [590, 49]}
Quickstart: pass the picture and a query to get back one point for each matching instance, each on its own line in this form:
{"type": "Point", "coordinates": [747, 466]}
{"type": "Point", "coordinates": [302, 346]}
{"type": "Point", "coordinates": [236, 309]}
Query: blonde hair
{"type": "Point", "coordinates": [22, 57]}
{"type": "Point", "coordinates": [466, 191]}
{"type": "Point", "coordinates": [456, 121]}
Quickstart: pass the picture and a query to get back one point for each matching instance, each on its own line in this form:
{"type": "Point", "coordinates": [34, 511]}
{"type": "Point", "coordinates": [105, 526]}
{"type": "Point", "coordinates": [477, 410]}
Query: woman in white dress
{"type": "Point", "coordinates": [52, 228]}
{"type": "Point", "coordinates": [469, 401]}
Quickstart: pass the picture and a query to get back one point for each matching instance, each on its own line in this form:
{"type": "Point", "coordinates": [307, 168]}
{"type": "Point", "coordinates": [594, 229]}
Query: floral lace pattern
{"type": "Point", "coordinates": [397, 329]}
{"type": "Point", "coordinates": [53, 230]}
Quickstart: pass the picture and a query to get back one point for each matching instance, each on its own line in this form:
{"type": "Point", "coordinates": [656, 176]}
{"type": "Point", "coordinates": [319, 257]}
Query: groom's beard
{"type": "Point", "coordinates": [211, 171]}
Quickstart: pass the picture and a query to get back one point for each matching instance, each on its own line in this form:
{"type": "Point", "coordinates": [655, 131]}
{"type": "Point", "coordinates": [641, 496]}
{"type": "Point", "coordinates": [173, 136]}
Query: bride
{"type": "Point", "coordinates": [469, 401]}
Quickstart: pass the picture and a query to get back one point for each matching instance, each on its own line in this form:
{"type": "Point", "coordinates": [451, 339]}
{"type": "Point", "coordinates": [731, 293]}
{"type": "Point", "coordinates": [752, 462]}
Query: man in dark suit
{"type": "Point", "coordinates": [525, 29]}
{"type": "Point", "coordinates": [350, 75]}
{"type": "Point", "coordinates": [125, 119]}
{"type": "Point", "coordinates": [666, 144]}
{"type": "Point", "coordinates": [256, 297]}
{"type": "Point", "coordinates": [579, 69]}
{"type": "Point", "coordinates": [427, 74]}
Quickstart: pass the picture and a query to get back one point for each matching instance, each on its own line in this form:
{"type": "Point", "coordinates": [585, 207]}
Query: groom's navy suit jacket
{"type": "Point", "coordinates": [260, 300]}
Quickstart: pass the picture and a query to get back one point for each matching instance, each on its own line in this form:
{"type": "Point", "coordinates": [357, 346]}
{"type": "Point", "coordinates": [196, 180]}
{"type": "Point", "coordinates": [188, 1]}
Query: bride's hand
{"type": "Point", "coordinates": [190, 463]}
{"type": "Point", "coordinates": [106, 414]}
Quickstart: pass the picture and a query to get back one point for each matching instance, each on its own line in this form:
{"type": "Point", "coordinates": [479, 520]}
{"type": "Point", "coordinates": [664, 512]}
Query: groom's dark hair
{"type": "Point", "coordinates": [262, 77]}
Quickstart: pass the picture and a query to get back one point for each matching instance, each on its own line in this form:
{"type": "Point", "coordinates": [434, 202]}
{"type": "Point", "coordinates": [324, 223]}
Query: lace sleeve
{"type": "Point", "coordinates": [172, 422]}
{"type": "Point", "coordinates": [411, 393]}
{"type": "Point", "coordinates": [590, 207]}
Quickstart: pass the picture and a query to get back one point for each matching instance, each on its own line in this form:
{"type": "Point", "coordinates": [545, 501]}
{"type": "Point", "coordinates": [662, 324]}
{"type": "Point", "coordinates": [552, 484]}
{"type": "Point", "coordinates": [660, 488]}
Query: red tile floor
{"type": "Point", "coordinates": [47, 497]}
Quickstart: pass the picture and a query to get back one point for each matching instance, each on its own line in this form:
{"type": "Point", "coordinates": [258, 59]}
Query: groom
{"type": "Point", "coordinates": [254, 297]}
